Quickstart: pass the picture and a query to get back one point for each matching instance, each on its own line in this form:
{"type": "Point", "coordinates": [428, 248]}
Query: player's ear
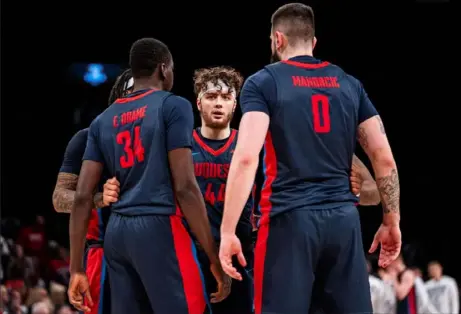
{"type": "Point", "coordinates": [281, 40]}
{"type": "Point", "coordinates": [314, 42]}
{"type": "Point", "coordinates": [235, 105]}
{"type": "Point", "coordinates": [199, 105]}
{"type": "Point", "coordinates": [162, 72]}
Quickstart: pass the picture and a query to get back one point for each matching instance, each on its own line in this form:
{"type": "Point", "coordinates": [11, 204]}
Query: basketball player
{"type": "Point", "coordinates": [442, 289]}
{"type": "Point", "coordinates": [308, 114]}
{"type": "Point", "coordinates": [63, 198]}
{"type": "Point", "coordinates": [144, 139]}
{"type": "Point", "coordinates": [213, 144]}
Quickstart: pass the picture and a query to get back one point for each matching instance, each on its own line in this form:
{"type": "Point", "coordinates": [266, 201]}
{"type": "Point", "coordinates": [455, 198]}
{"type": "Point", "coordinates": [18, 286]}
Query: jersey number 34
{"type": "Point", "coordinates": [132, 146]}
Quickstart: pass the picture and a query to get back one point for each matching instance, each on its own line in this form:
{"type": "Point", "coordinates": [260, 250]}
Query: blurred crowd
{"type": "Point", "coordinates": [402, 289]}
{"type": "Point", "coordinates": [34, 275]}
{"type": "Point", "coordinates": [34, 270]}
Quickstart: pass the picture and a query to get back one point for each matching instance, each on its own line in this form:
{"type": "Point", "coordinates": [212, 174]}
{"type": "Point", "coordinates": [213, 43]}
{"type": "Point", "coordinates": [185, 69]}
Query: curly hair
{"type": "Point", "coordinates": [230, 76]}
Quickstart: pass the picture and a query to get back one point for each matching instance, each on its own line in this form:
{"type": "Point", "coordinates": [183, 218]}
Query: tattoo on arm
{"type": "Point", "coordinates": [389, 188]}
{"type": "Point", "coordinates": [362, 137]}
{"type": "Point", "coordinates": [64, 192]}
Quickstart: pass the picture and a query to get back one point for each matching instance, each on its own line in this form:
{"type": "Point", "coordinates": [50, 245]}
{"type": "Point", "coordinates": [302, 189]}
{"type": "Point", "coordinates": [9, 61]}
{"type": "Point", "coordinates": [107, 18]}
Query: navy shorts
{"type": "Point", "coordinates": [312, 261]}
{"type": "Point", "coordinates": [96, 271]}
{"type": "Point", "coordinates": [153, 266]}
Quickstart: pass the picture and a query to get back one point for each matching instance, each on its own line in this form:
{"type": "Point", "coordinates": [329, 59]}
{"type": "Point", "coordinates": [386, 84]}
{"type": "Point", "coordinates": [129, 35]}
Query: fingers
{"type": "Point", "coordinates": [113, 181]}
{"type": "Point", "coordinates": [374, 245]}
{"type": "Point", "coordinates": [76, 299]}
{"type": "Point", "coordinates": [111, 187]}
{"type": "Point", "coordinates": [223, 292]}
{"type": "Point", "coordinates": [388, 255]}
{"type": "Point", "coordinates": [110, 194]}
{"type": "Point", "coordinates": [241, 259]}
{"type": "Point", "coordinates": [229, 269]}
{"type": "Point", "coordinates": [88, 298]}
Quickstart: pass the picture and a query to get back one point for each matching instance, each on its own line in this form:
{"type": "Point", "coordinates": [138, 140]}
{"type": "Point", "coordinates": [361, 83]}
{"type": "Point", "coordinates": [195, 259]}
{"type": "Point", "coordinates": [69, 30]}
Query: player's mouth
{"type": "Point", "coordinates": [217, 114]}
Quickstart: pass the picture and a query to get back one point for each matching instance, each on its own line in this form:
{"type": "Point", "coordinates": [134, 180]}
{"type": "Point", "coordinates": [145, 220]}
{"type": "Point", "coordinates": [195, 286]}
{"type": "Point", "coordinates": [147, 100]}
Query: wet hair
{"type": "Point", "coordinates": [228, 75]}
{"type": "Point", "coordinates": [146, 55]}
{"type": "Point", "coordinates": [121, 86]}
{"type": "Point", "coordinates": [296, 21]}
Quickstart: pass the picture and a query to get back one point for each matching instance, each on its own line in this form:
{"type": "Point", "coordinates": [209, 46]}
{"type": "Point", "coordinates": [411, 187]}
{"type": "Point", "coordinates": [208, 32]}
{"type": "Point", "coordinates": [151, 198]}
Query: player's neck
{"type": "Point", "coordinates": [296, 52]}
{"type": "Point", "coordinates": [437, 278]}
{"type": "Point", "coordinates": [147, 84]}
{"type": "Point", "coordinates": [214, 134]}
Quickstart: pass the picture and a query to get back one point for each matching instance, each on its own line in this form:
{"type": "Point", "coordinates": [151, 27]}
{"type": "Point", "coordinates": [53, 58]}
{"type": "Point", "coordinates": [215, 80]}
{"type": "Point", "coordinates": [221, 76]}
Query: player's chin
{"type": "Point", "coordinates": [218, 123]}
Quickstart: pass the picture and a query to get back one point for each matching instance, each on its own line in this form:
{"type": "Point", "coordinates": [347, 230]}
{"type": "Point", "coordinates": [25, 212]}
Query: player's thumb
{"type": "Point", "coordinates": [374, 245]}
{"type": "Point", "coordinates": [88, 298]}
{"type": "Point", "coordinates": [241, 259]}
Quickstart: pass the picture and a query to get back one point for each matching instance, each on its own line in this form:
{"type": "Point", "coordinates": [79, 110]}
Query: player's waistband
{"type": "Point", "coordinates": [144, 211]}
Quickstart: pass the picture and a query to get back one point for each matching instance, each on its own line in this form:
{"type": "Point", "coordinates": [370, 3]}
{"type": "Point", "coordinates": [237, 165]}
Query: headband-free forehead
{"type": "Point", "coordinates": [219, 87]}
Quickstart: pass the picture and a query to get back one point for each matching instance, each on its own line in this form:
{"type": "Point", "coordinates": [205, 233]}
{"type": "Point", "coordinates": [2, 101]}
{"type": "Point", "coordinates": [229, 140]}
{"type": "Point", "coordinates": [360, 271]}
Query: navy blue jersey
{"type": "Point", "coordinates": [315, 109]}
{"type": "Point", "coordinates": [212, 160]}
{"type": "Point", "coordinates": [72, 163]}
{"type": "Point", "coordinates": [132, 138]}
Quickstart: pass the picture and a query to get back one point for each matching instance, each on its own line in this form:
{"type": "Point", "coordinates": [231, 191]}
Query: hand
{"type": "Point", "coordinates": [78, 289]}
{"type": "Point", "coordinates": [224, 284]}
{"type": "Point", "coordinates": [111, 191]}
{"type": "Point", "coordinates": [390, 238]}
{"type": "Point", "coordinates": [356, 179]}
{"type": "Point", "coordinates": [230, 246]}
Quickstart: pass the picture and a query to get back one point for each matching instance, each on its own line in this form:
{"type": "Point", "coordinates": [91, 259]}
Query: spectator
{"type": "Point", "coordinates": [20, 268]}
{"type": "Point", "coordinates": [16, 306]}
{"type": "Point", "coordinates": [41, 308]}
{"type": "Point", "coordinates": [442, 289]}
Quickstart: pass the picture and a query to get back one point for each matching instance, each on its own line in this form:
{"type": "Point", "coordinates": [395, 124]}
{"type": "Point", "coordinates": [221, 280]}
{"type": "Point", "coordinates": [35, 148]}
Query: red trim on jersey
{"type": "Point", "coordinates": [129, 99]}
{"type": "Point", "coordinates": [188, 267]}
{"type": "Point", "coordinates": [270, 173]}
{"type": "Point", "coordinates": [218, 152]}
{"type": "Point", "coordinates": [306, 65]}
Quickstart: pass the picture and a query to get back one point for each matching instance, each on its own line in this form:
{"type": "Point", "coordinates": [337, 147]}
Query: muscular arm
{"type": "Point", "coordinates": [179, 122]}
{"type": "Point", "coordinates": [81, 211]}
{"type": "Point", "coordinates": [64, 193]}
{"type": "Point", "coordinates": [369, 194]}
{"type": "Point", "coordinates": [373, 139]}
{"type": "Point", "coordinates": [191, 201]}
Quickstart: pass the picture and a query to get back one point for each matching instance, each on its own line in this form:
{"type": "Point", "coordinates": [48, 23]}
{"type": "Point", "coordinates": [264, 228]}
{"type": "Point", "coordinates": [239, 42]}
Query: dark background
{"type": "Point", "coordinates": [398, 52]}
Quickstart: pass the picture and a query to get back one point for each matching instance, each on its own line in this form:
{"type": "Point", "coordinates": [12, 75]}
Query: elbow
{"type": "Point", "coordinates": [82, 198]}
{"type": "Point", "coordinates": [184, 188]}
{"type": "Point", "coordinates": [247, 161]}
{"type": "Point", "coordinates": [383, 158]}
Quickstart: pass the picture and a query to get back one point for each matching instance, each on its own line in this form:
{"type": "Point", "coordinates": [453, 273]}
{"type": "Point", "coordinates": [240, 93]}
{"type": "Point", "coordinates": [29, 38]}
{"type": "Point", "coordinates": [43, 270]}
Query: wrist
{"type": "Point", "coordinates": [391, 220]}
{"type": "Point", "coordinates": [98, 200]}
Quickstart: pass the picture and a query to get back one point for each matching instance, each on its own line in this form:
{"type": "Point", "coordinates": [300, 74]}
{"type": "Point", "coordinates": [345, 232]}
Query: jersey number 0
{"type": "Point", "coordinates": [133, 149]}
{"type": "Point", "coordinates": [321, 112]}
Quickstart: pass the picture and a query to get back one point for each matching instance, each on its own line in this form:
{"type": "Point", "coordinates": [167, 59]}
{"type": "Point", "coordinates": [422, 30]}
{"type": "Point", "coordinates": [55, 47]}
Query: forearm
{"type": "Point", "coordinates": [78, 226]}
{"type": "Point", "coordinates": [238, 188]}
{"type": "Point", "coordinates": [369, 193]}
{"type": "Point", "coordinates": [193, 207]}
{"type": "Point", "coordinates": [63, 199]}
{"type": "Point", "coordinates": [387, 181]}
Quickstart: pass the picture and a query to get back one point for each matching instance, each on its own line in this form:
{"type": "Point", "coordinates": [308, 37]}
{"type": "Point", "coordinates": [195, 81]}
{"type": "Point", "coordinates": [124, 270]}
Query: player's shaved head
{"type": "Point", "coordinates": [150, 59]}
{"type": "Point", "coordinates": [146, 55]}
{"type": "Point", "coordinates": [296, 21]}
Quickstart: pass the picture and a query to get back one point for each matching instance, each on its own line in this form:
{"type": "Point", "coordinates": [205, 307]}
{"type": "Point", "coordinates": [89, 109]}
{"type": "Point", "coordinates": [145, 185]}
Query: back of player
{"type": "Point", "coordinates": [150, 255]}
{"type": "Point", "coordinates": [310, 228]}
